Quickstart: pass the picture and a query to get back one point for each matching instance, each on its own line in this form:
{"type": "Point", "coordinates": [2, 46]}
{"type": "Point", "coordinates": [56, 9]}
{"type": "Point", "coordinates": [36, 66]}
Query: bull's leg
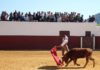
{"type": "Point", "coordinates": [68, 62]}
{"type": "Point", "coordinates": [92, 59]}
{"type": "Point", "coordinates": [87, 60]}
{"type": "Point", "coordinates": [75, 62]}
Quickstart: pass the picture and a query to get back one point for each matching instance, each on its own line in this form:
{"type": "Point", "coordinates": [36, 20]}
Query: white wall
{"type": "Point", "coordinates": [47, 28]}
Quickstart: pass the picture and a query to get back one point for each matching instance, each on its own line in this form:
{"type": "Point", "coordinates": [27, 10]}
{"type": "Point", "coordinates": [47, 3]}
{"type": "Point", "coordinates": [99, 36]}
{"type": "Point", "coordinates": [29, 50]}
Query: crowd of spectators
{"type": "Point", "coordinates": [45, 17]}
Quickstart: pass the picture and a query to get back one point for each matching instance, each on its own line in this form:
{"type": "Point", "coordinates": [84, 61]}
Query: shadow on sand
{"type": "Point", "coordinates": [55, 67]}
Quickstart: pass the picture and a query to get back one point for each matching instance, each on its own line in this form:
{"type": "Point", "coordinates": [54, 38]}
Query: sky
{"type": "Point", "coordinates": [85, 7]}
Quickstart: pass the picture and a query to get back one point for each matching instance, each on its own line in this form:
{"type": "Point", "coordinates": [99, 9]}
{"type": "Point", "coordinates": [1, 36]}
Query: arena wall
{"type": "Point", "coordinates": [44, 35]}
{"type": "Point", "coordinates": [46, 28]}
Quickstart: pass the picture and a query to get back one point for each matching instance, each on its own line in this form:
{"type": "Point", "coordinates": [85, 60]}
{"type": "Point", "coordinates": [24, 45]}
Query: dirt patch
{"type": "Point", "coordinates": [34, 60]}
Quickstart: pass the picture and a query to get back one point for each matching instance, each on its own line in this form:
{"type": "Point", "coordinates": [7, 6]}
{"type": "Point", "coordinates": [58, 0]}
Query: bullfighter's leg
{"type": "Point", "coordinates": [65, 49]}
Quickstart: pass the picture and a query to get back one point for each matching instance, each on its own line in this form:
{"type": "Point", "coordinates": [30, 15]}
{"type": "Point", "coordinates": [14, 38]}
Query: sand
{"type": "Point", "coordinates": [38, 60]}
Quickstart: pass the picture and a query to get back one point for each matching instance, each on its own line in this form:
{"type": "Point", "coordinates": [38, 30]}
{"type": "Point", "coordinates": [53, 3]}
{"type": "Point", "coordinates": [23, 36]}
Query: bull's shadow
{"type": "Point", "coordinates": [55, 67]}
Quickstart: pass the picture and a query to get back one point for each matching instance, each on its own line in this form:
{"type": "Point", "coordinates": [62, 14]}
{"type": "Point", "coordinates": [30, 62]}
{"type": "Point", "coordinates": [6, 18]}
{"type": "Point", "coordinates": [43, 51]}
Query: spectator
{"type": "Point", "coordinates": [45, 17]}
{"type": "Point", "coordinates": [11, 17]}
{"type": "Point", "coordinates": [34, 16]}
{"type": "Point", "coordinates": [22, 17]}
{"type": "Point", "coordinates": [30, 16]}
{"type": "Point", "coordinates": [91, 18]}
{"type": "Point", "coordinates": [4, 16]}
{"type": "Point", "coordinates": [0, 17]}
{"type": "Point", "coordinates": [15, 14]}
{"type": "Point", "coordinates": [26, 17]}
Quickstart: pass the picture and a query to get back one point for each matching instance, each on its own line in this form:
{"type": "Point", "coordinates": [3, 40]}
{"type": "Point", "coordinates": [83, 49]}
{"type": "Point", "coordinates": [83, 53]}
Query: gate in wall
{"type": "Point", "coordinates": [87, 42]}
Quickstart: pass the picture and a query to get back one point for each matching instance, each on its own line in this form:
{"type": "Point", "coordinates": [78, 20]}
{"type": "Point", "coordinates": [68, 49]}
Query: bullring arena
{"type": "Point", "coordinates": [40, 60]}
{"type": "Point", "coordinates": [27, 45]}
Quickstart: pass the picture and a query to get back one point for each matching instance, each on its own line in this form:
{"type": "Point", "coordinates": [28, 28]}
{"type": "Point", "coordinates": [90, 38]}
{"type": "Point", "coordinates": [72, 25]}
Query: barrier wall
{"type": "Point", "coordinates": [44, 35]}
{"type": "Point", "coordinates": [47, 28]}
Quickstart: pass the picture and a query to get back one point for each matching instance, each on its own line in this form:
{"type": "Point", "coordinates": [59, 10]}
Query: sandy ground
{"type": "Point", "coordinates": [43, 60]}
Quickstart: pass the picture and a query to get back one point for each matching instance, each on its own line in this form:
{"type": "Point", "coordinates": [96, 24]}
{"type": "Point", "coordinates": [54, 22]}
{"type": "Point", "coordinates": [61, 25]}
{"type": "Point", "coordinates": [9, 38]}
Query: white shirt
{"type": "Point", "coordinates": [64, 41]}
{"type": "Point", "coordinates": [65, 38]}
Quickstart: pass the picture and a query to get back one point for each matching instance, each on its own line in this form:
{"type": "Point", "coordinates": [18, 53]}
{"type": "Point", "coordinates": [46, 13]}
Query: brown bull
{"type": "Point", "coordinates": [76, 53]}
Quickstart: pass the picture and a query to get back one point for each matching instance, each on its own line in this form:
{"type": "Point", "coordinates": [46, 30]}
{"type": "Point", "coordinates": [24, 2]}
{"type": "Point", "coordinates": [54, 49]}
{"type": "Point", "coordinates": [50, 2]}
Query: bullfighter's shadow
{"type": "Point", "coordinates": [55, 67]}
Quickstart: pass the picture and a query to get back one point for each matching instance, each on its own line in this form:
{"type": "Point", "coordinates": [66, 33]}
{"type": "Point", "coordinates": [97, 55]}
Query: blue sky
{"type": "Point", "coordinates": [85, 7]}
